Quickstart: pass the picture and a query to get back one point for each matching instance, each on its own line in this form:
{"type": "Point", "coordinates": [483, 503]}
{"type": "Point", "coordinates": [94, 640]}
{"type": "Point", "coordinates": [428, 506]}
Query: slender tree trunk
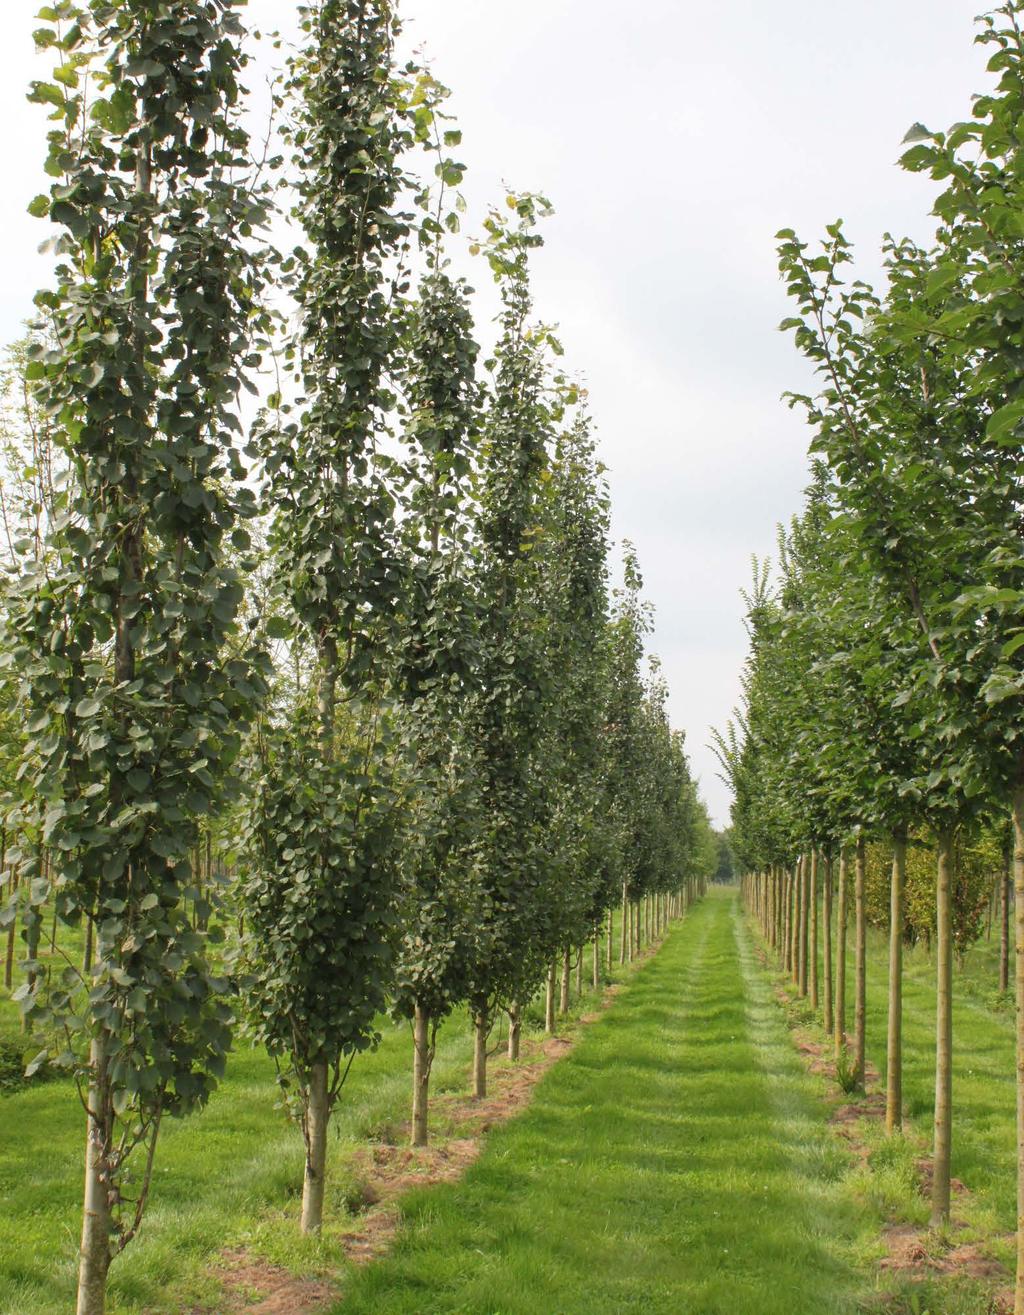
{"type": "Point", "coordinates": [549, 1002]}
{"type": "Point", "coordinates": [609, 951]}
{"type": "Point", "coordinates": [563, 999]}
{"type": "Point", "coordinates": [842, 919]}
{"type": "Point", "coordinates": [860, 965]}
{"type": "Point", "coordinates": [827, 947]}
{"type": "Point", "coordinates": [1004, 928]}
{"type": "Point", "coordinates": [624, 929]}
{"type": "Point", "coordinates": [87, 952]}
{"type": "Point", "coordinates": [803, 881]}
{"type": "Point", "coordinates": [596, 966]}
{"type": "Point", "coordinates": [421, 1062]}
{"type": "Point", "coordinates": [515, 1029]}
{"type": "Point", "coordinates": [786, 906]}
{"type": "Point", "coordinates": [812, 940]}
{"type": "Point", "coordinates": [480, 1021]}
{"type": "Point", "coordinates": [894, 1043]}
{"type": "Point", "coordinates": [943, 1026]}
{"type": "Point", "coordinates": [579, 973]}
{"type": "Point", "coordinates": [94, 1256]}
{"type": "Point", "coordinates": [11, 934]}
{"type": "Point", "coordinates": [1018, 929]}
{"type": "Point", "coordinates": [316, 1149]}
{"type": "Point", "coordinates": [794, 926]}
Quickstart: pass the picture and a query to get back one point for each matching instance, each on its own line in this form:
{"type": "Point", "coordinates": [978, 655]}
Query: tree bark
{"type": "Point", "coordinates": [894, 1042]}
{"type": "Point", "coordinates": [860, 966]}
{"type": "Point", "coordinates": [943, 1026]}
{"type": "Point", "coordinates": [624, 930]}
{"type": "Point", "coordinates": [611, 937]}
{"type": "Point", "coordinates": [842, 919]}
{"type": "Point", "coordinates": [563, 999]}
{"type": "Point", "coordinates": [421, 1062]}
{"type": "Point", "coordinates": [1004, 928]}
{"type": "Point", "coordinates": [316, 1114]}
{"type": "Point", "coordinates": [94, 1255]}
{"type": "Point", "coordinates": [549, 1002]}
{"type": "Point", "coordinates": [1018, 929]}
{"type": "Point", "coordinates": [480, 1021]}
{"type": "Point", "coordinates": [515, 1029]}
{"type": "Point", "coordinates": [812, 939]}
{"type": "Point", "coordinates": [803, 884]}
{"type": "Point", "coordinates": [596, 966]}
{"type": "Point", "coordinates": [827, 947]}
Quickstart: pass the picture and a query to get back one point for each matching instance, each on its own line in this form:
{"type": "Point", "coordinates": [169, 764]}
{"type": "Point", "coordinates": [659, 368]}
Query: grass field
{"type": "Point", "coordinates": [678, 1160]}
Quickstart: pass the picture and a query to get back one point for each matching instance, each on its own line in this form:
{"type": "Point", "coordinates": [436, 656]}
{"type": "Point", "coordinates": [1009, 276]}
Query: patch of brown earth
{"type": "Point", "coordinates": [914, 1251]}
{"type": "Point", "coordinates": [257, 1287]}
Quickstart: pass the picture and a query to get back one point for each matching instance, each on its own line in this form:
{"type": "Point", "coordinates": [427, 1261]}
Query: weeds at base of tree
{"type": "Point", "coordinates": [846, 1073]}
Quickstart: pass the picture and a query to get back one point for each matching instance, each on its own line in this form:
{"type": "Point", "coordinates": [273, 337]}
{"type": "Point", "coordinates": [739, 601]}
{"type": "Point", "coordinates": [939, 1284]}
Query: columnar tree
{"type": "Point", "coordinates": [136, 685]}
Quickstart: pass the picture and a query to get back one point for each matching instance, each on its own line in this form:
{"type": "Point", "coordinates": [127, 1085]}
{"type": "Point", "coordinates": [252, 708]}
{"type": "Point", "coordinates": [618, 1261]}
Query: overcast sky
{"type": "Point", "coordinates": [674, 139]}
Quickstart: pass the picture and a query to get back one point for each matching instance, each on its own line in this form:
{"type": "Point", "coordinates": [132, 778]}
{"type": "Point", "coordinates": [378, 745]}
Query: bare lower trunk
{"type": "Point", "coordinates": [803, 876]}
{"type": "Point", "coordinates": [515, 1029]}
{"type": "Point", "coordinates": [579, 973]}
{"type": "Point", "coordinates": [1018, 928]}
{"type": "Point", "coordinates": [596, 966]}
{"type": "Point", "coordinates": [611, 936]}
{"type": "Point", "coordinates": [812, 938]}
{"type": "Point", "coordinates": [480, 1027]}
{"type": "Point", "coordinates": [94, 1256]}
{"type": "Point", "coordinates": [894, 1042]}
{"type": "Point", "coordinates": [827, 947]}
{"type": "Point", "coordinates": [943, 1027]}
{"type": "Point", "coordinates": [549, 1001]}
{"type": "Point", "coordinates": [316, 1149]}
{"type": "Point", "coordinates": [563, 999]}
{"type": "Point", "coordinates": [421, 1062]}
{"type": "Point", "coordinates": [860, 917]}
{"type": "Point", "coordinates": [1004, 927]}
{"type": "Point", "coordinates": [624, 937]}
{"type": "Point", "coordinates": [841, 920]}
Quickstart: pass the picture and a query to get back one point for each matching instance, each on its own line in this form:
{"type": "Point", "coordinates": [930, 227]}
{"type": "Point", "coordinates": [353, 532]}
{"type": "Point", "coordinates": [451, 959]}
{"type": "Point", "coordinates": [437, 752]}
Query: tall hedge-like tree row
{"type": "Point", "coordinates": [883, 698]}
{"type": "Point", "coordinates": [380, 665]}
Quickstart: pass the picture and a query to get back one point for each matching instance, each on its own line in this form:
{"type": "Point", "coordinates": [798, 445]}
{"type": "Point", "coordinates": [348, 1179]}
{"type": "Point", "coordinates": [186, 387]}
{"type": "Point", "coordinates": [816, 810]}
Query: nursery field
{"type": "Point", "coordinates": [679, 1157]}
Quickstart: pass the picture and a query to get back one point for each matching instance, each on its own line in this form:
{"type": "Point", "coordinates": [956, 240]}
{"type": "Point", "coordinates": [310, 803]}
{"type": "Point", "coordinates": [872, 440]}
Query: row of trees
{"type": "Point", "coordinates": [883, 695]}
{"type": "Point", "coordinates": [377, 669]}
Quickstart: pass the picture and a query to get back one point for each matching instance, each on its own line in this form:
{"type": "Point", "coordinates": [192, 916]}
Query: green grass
{"type": "Point", "coordinates": [677, 1161]}
{"type": "Point", "coordinates": [229, 1176]}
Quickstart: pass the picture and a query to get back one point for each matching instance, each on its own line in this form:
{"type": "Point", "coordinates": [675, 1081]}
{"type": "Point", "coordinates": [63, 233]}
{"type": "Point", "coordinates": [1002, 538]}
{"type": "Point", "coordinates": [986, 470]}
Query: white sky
{"type": "Point", "coordinates": [674, 138]}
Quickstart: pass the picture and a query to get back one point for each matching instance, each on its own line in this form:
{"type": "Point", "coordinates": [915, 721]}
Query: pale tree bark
{"type": "Point", "coordinates": [943, 1026]}
{"type": "Point", "coordinates": [94, 1255]}
{"type": "Point", "coordinates": [803, 885]}
{"type": "Point", "coordinates": [894, 1040]}
{"type": "Point", "coordinates": [841, 920]}
{"type": "Point", "coordinates": [611, 936]}
{"type": "Point", "coordinates": [1018, 929]}
{"type": "Point", "coordinates": [596, 965]}
{"type": "Point", "coordinates": [549, 1001]}
{"type": "Point", "coordinates": [515, 1029]}
{"type": "Point", "coordinates": [826, 901]}
{"type": "Point", "coordinates": [1004, 926]}
{"type": "Point", "coordinates": [860, 964]}
{"type": "Point", "coordinates": [315, 1130]}
{"type": "Point", "coordinates": [812, 939]}
{"type": "Point", "coordinates": [422, 1059]}
{"type": "Point", "coordinates": [624, 930]}
{"type": "Point", "coordinates": [563, 999]}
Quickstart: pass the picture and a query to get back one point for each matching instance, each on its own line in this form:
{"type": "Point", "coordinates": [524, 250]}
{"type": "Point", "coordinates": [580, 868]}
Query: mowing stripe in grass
{"type": "Point", "coordinates": [676, 1161]}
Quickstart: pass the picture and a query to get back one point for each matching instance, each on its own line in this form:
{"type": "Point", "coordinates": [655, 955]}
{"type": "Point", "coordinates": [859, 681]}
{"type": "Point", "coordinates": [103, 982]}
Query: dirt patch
{"type": "Point", "coordinates": [385, 1172]}
{"type": "Point", "coordinates": [259, 1288]}
{"type": "Point", "coordinates": [916, 1251]}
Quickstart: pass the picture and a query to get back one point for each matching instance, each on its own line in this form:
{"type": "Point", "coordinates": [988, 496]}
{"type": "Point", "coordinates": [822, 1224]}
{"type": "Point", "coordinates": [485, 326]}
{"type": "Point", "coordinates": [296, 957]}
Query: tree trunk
{"type": "Point", "coordinates": [596, 967]}
{"type": "Point", "coordinates": [549, 1002]}
{"type": "Point", "coordinates": [943, 1027]}
{"type": "Point", "coordinates": [827, 947]}
{"type": "Point", "coordinates": [316, 1149]}
{"type": "Point", "coordinates": [94, 1256]}
{"type": "Point", "coordinates": [812, 940]}
{"type": "Point", "coordinates": [421, 1062]}
{"type": "Point", "coordinates": [803, 885]}
{"type": "Point", "coordinates": [624, 930]}
{"type": "Point", "coordinates": [579, 973]}
{"type": "Point", "coordinates": [860, 966]}
{"type": "Point", "coordinates": [480, 1055]}
{"type": "Point", "coordinates": [894, 1042]}
{"type": "Point", "coordinates": [11, 934]}
{"type": "Point", "coordinates": [1018, 929]}
{"type": "Point", "coordinates": [563, 999]}
{"type": "Point", "coordinates": [842, 919]}
{"type": "Point", "coordinates": [1004, 929]}
{"type": "Point", "coordinates": [515, 1029]}
{"type": "Point", "coordinates": [611, 938]}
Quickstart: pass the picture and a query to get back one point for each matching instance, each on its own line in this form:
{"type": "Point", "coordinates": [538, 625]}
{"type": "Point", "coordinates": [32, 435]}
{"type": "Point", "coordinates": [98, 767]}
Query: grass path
{"type": "Point", "coordinates": [677, 1161]}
